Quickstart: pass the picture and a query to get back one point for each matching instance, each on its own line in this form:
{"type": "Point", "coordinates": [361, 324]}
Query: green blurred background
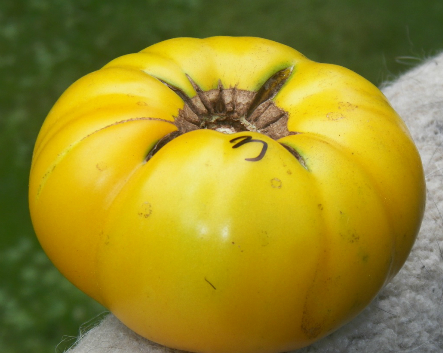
{"type": "Point", "coordinates": [47, 44]}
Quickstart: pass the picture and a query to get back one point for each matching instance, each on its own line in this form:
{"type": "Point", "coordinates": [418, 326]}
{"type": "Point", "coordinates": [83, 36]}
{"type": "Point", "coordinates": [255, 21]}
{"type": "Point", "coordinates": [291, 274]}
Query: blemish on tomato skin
{"type": "Point", "coordinates": [347, 106]}
{"type": "Point", "coordinates": [334, 116]}
{"type": "Point", "coordinates": [210, 284]}
{"type": "Point", "coordinates": [101, 166]}
{"type": "Point", "coordinates": [107, 239]}
{"type": "Point", "coordinates": [146, 210]}
{"type": "Point", "coordinates": [238, 246]}
{"type": "Point", "coordinates": [276, 183]}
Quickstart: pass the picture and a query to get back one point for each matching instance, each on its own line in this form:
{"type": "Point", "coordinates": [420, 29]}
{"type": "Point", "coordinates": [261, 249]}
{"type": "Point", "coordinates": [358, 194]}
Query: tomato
{"type": "Point", "coordinates": [226, 194]}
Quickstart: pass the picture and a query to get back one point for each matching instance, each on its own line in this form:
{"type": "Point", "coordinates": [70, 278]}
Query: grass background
{"type": "Point", "coordinates": [47, 44]}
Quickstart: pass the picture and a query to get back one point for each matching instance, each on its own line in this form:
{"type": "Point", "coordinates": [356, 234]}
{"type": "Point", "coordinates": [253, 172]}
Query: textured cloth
{"type": "Point", "coordinates": [407, 315]}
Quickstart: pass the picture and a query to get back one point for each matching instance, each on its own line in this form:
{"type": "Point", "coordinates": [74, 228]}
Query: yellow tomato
{"type": "Point", "coordinates": [226, 194]}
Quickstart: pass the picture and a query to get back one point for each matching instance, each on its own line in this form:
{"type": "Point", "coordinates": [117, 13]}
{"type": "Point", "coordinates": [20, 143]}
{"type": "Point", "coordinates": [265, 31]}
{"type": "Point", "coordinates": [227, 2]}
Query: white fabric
{"type": "Point", "coordinates": [407, 315]}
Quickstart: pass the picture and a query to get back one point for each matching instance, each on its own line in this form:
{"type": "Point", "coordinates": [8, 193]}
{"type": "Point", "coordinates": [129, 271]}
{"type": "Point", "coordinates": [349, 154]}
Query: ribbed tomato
{"type": "Point", "coordinates": [226, 194]}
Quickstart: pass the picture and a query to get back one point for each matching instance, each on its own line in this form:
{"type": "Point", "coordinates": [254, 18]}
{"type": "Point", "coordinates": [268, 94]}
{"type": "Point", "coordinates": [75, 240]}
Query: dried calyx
{"type": "Point", "coordinates": [231, 110]}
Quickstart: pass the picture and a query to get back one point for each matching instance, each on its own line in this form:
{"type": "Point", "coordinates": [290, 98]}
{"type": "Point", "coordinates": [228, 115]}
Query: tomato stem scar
{"type": "Point", "coordinates": [231, 110]}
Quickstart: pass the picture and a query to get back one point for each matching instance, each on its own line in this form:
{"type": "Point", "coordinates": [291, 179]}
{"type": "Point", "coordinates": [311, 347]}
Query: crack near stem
{"type": "Point", "coordinates": [270, 89]}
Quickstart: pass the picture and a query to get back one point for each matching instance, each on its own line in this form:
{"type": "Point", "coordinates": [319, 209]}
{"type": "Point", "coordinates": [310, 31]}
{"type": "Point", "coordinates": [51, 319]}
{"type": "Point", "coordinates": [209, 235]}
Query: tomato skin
{"type": "Point", "coordinates": [214, 271]}
{"type": "Point", "coordinates": [226, 242]}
